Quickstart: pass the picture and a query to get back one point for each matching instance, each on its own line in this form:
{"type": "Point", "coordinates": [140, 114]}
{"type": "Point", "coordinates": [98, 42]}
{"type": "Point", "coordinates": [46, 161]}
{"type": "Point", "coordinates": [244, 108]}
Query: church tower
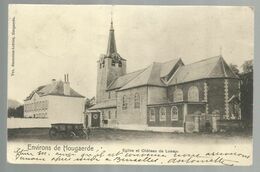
{"type": "Point", "coordinates": [109, 67]}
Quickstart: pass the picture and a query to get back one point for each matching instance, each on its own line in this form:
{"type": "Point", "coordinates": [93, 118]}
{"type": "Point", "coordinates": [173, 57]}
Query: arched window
{"type": "Point", "coordinates": [178, 95]}
{"type": "Point", "coordinates": [152, 114]}
{"type": "Point", "coordinates": [162, 114]}
{"type": "Point", "coordinates": [124, 105]}
{"type": "Point", "coordinates": [120, 64]}
{"type": "Point", "coordinates": [137, 100]}
{"type": "Point", "coordinates": [193, 94]}
{"type": "Point", "coordinates": [174, 113]}
{"type": "Point", "coordinates": [113, 63]}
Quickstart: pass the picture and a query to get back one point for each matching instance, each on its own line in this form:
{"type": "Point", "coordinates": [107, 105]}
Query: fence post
{"type": "Point", "coordinates": [214, 123]}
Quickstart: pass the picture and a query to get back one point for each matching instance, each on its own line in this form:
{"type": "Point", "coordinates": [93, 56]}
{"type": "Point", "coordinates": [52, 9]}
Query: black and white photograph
{"type": "Point", "coordinates": [130, 84]}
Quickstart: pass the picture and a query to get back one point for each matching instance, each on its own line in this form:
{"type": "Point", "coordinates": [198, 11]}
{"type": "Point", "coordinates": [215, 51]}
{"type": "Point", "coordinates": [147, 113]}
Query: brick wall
{"type": "Point", "coordinates": [216, 95]}
{"type": "Point", "coordinates": [185, 88]}
{"type": "Point", "coordinates": [168, 122]}
{"type": "Point", "coordinates": [192, 108]}
{"type": "Point", "coordinates": [216, 98]}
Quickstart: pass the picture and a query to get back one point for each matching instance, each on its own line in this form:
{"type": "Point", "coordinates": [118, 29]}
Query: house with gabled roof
{"type": "Point", "coordinates": [56, 101]}
{"type": "Point", "coordinates": [162, 95]}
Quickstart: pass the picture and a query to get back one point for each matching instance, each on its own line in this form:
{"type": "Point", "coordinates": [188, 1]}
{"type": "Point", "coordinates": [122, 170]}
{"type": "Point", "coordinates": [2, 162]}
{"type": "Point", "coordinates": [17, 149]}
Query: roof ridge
{"type": "Point", "coordinates": [225, 63]}
{"type": "Point", "coordinates": [222, 64]}
{"type": "Point", "coordinates": [203, 60]}
{"type": "Point", "coordinates": [136, 76]}
{"type": "Point", "coordinates": [113, 82]}
{"type": "Point", "coordinates": [54, 86]}
{"type": "Point", "coordinates": [123, 76]}
{"type": "Point", "coordinates": [153, 65]}
{"type": "Point", "coordinates": [133, 72]}
{"type": "Point", "coordinates": [171, 78]}
{"type": "Point", "coordinates": [210, 71]}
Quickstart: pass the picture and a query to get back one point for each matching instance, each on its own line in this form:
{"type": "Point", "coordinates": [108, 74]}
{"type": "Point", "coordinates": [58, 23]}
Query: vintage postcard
{"type": "Point", "coordinates": [130, 85]}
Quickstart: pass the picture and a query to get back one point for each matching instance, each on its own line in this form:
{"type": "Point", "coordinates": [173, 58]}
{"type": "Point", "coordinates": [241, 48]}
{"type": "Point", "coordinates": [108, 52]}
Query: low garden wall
{"type": "Point", "coordinates": [27, 123]}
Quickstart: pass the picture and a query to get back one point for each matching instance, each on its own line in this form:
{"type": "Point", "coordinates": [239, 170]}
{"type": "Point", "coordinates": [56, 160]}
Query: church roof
{"type": "Point", "coordinates": [111, 46]}
{"type": "Point", "coordinates": [123, 80]}
{"type": "Point", "coordinates": [104, 104]}
{"type": "Point", "coordinates": [56, 88]}
{"type": "Point", "coordinates": [214, 67]}
{"type": "Point", "coordinates": [168, 66]}
{"type": "Point", "coordinates": [150, 76]}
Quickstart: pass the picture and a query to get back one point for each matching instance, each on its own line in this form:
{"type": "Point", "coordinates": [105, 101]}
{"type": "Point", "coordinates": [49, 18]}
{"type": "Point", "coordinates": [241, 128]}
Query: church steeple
{"type": "Point", "coordinates": [111, 47]}
{"type": "Point", "coordinates": [110, 66]}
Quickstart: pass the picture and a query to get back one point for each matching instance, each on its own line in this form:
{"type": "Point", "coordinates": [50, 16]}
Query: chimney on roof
{"type": "Point", "coordinates": [66, 85]}
{"type": "Point", "coordinates": [53, 81]}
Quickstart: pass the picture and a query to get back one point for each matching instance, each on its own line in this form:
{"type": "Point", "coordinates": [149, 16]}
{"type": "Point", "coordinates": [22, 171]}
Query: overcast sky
{"type": "Point", "coordinates": [53, 40]}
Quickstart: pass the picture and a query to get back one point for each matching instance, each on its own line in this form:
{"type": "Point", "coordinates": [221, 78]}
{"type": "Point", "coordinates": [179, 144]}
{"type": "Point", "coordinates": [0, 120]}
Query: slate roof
{"type": "Point", "coordinates": [148, 76]}
{"type": "Point", "coordinates": [168, 66]}
{"type": "Point", "coordinates": [123, 80]}
{"type": "Point", "coordinates": [56, 88]}
{"type": "Point", "coordinates": [214, 67]}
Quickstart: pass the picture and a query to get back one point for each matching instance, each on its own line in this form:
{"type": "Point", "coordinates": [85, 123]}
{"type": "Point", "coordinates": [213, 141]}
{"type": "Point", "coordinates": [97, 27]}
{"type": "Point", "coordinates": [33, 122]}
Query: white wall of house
{"type": "Point", "coordinates": [28, 123]}
{"type": "Point", "coordinates": [36, 107]}
{"type": "Point", "coordinates": [64, 109]}
{"type": "Point", "coordinates": [56, 109]}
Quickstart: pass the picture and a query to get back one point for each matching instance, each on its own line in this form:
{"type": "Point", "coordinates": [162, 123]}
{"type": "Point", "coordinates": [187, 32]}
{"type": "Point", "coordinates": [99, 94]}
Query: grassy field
{"type": "Point", "coordinates": [115, 135]}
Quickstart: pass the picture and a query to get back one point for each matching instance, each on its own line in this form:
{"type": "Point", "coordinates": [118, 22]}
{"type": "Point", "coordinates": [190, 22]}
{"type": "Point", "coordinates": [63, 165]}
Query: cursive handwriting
{"type": "Point", "coordinates": [90, 154]}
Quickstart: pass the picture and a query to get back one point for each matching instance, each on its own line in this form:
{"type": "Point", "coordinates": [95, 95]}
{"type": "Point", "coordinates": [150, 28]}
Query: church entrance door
{"type": "Point", "coordinates": [95, 119]}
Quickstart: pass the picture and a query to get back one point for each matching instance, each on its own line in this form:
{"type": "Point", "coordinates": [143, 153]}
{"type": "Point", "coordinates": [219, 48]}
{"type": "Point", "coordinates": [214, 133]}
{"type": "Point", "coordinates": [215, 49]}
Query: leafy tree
{"type": "Point", "coordinates": [19, 112]}
{"type": "Point", "coordinates": [16, 112]}
{"type": "Point", "coordinates": [234, 68]}
{"type": "Point", "coordinates": [246, 89]}
{"type": "Point", "coordinates": [89, 103]}
{"type": "Point", "coordinates": [247, 66]}
{"type": "Point", "coordinates": [11, 112]}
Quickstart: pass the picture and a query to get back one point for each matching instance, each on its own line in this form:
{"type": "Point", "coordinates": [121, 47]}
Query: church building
{"type": "Point", "coordinates": [163, 95]}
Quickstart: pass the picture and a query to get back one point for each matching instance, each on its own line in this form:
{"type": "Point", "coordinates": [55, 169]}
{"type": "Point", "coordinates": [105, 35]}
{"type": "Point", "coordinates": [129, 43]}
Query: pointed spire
{"type": "Point", "coordinates": [111, 47]}
{"type": "Point", "coordinates": [220, 51]}
{"type": "Point", "coordinates": [111, 26]}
